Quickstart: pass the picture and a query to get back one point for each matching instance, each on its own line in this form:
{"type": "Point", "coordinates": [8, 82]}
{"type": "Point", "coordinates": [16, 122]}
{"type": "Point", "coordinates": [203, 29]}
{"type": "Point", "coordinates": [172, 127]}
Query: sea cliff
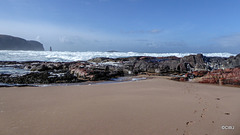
{"type": "Point", "coordinates": [15, 43]}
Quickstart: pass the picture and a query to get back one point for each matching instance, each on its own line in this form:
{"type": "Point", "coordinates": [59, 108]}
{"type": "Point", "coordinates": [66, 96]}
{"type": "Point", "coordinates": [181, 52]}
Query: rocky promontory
{"type": "Point", "coordinates": [196, 68]}
{"type": "Point", "coordinates": [15, 43]}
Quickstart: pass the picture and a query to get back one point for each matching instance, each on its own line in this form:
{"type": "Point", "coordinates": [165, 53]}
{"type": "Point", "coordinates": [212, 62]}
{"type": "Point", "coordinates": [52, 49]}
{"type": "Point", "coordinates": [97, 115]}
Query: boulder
{"type": "Point", "coordinates": [192, 63]}
{"type": "Point", "coordinates": [232, 62]}
{"type": "Point", "coordinates": [93, 72]}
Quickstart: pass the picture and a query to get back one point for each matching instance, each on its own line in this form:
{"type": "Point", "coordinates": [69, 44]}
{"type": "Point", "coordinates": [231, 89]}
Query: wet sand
{"type": "Point", "coordinates": [149, 107]}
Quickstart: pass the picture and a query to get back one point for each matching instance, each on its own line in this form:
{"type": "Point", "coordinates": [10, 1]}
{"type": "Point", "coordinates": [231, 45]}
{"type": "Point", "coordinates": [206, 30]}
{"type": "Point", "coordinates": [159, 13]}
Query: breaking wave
{"type": "Point", "coordinates": [66, 56]}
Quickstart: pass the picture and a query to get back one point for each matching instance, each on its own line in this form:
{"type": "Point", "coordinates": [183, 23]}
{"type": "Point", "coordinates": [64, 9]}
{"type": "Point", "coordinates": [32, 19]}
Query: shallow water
{"type": "Point", "coordinates": [113, 80]}
{"type": "Point", "coordinates": [13, 71]}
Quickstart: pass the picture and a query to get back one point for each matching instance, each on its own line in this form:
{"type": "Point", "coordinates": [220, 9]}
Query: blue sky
{"type": "Point", "coordinates": [125, 25]}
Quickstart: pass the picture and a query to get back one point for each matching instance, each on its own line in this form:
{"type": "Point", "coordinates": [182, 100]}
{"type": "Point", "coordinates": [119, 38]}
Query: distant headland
{"type": "Point", "coordinates": [8, 42]}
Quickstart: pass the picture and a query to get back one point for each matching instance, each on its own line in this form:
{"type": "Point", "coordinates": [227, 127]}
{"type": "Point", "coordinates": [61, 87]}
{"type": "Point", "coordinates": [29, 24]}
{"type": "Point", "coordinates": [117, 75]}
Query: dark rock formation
{"type": "Point", "coordinates": [15, 43]}
{"type": "Point", "coordinates": [232, 62]}
{"type": "Point", "coordinates": [183, 69]}
{"type": "Point", "coordinates": [89, 72]}
{"type": "Point", "coordinates": [40, 78]}
{"type": "Point", "coordinates": [42, 73]}
{"type": "Point", "coordinates": [192, 63]}
{"type": "Point", "coordinates": [60, 72]}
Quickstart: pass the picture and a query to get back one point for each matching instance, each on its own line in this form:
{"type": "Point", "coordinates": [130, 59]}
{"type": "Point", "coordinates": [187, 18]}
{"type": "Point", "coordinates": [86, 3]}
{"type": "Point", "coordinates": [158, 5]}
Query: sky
{"type": "Point", "coordinates": [199, 26]}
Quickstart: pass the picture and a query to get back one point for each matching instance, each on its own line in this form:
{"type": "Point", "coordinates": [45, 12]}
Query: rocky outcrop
{"type": "Point", "coordinates": [89, 72]}
{"type": "Point", "coordinates": [223, 63]}
{"type": "Point", "coordinates": [40, 78]}
{"type": "Point", "coordinates": [58, 72]}
{"type": "Point", "coordinates": [16, 43]}
{"type": "Point", "coordinates": [222, 77]}
{"type": "Point", "coordinates": [192, 63]}
{"type": "Point", "coordinates": [169, 65]}
{"type": "Point", "coordinates": [42, 73]}
{"type": "Point", "coordinates": [232, 62]}
{"type": "Point", "coordinates": [183, 69]}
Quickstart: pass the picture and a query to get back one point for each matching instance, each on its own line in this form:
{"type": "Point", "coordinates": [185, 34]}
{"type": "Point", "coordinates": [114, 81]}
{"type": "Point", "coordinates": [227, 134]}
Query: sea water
{"type": "Point", "coordinates": [67, 56]}
{"type": "Point", "coordinates": [13, 71]}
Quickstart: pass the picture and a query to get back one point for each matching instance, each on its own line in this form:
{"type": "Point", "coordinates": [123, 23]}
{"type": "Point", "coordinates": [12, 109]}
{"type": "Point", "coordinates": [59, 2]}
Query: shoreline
{"type": "Point", "coordinates": [129, 79]}
{"type": "Point", "coordinates": [113, 80]}
{"type": "Point", "coordinates": [214, 70]}
{"type": "Point", "coordinates": [153, 106]}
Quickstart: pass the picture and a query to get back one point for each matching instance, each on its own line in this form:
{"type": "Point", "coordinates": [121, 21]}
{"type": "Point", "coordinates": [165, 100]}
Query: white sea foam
{"type": "Point", "coordinates": [64, 56]}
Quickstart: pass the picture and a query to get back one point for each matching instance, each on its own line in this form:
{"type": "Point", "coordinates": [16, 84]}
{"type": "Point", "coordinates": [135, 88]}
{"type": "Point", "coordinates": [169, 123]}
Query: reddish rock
{"type": "Point", "coordinates": [195, 74]}
{"type": "Point", "coordinates": [199, 73]}
{"type": "Point", "coordinates": [220, 76]}
{"type": "Point", "coordinates": [181, 79]}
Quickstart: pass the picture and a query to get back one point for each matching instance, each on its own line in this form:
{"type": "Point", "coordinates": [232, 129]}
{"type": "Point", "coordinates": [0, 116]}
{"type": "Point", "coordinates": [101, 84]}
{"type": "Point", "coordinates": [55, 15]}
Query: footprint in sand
{"type": "Point", "coordinates": [203, 111]}
{"type": "Point", "coordinates": [195, 111]}
{"type": "Point", "coordinates": [189, 123]}
{"type": "Point", "coordinates": [227, 113]}
{"type": "Point", "coordinates": [206, 103]}
{"type": "Point", "coordinates": [185, 132]}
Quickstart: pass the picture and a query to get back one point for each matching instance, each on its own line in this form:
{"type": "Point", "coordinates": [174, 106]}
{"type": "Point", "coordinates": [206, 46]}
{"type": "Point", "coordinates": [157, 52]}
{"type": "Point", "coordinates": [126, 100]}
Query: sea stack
{"type": "Point", "coordinates": [15, 43]}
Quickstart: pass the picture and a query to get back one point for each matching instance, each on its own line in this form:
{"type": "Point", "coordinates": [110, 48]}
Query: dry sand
{"type": "Point", "coordinates": [150, 107]}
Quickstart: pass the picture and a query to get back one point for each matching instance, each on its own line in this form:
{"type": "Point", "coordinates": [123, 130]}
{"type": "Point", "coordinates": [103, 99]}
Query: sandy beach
{"type": "Point", "coordinates": [155, 106]}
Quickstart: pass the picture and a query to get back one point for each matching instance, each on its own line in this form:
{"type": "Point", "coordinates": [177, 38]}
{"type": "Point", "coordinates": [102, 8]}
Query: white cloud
{"type": "Point", "coordinates": [63, 39]}
{"type": "Point", "coordinates": [37, 38]}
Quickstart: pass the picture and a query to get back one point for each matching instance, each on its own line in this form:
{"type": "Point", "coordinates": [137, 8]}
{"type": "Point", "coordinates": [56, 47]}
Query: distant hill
{"type": "Point", "coordinates": [112, 51]}
{"type": "Point", "coordinates": [15, 43]}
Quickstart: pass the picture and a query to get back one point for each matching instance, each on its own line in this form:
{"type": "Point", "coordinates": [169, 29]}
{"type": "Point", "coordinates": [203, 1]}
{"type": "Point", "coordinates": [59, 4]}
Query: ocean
{"type": "Point", "coordinates": [67, 56]}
